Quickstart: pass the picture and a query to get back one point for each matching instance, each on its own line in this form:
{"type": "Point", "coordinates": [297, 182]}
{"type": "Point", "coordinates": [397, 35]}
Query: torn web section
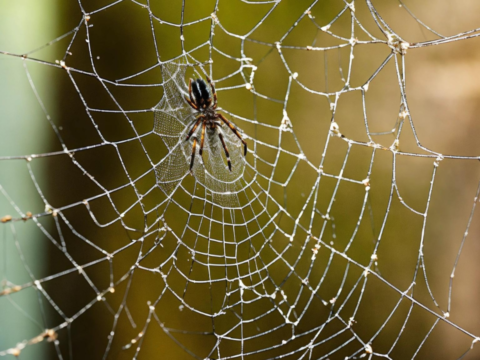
{"type": "Point", "coordinates": [173, 120]}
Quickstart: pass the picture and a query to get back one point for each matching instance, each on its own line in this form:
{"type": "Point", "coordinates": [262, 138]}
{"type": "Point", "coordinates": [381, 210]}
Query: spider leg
{"type": "Point", "coordinates": [190, 101]}
{"type": "Point", "coordinates": [235, 131]}
{"type": "Point", "coordinates": [226, 151]}
{"type": "Point", "coordinates": [202, 139]}
{"type": "Point", "coordinates": [194, 127]}
{"type": "Point", "coordinates": [193, 153]}
{"type": "Point", "coordinates": [213, 92]}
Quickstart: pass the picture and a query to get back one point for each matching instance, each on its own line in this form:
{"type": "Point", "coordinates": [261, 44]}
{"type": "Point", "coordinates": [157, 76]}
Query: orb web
{"type": "Point", "coordinates": [344, 233]}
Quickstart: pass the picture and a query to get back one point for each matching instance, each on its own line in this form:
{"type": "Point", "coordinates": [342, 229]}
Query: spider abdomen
{"type": "Point", "coordinates": [200, 91]}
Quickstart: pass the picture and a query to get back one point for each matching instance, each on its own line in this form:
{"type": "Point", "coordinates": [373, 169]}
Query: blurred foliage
{"type": "Point", "coordinates": [123, 45]}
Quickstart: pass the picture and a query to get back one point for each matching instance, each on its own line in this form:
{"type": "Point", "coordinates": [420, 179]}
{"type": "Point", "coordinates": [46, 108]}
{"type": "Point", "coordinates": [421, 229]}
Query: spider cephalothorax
{"type": "Point", "coordinates": [200, 99]}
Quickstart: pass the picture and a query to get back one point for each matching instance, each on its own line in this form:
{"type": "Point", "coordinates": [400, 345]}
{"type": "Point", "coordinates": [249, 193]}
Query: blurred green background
{"type": "Point", "coordinates": [442, 94]}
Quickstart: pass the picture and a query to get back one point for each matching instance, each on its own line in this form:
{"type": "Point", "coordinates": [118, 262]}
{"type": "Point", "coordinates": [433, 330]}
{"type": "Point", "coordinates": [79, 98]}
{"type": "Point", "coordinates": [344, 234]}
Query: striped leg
{"type": "Point", "coordinates": [190, 101]}
{"type": "Point", "coordinates": [235, 131]}
{"type": "Point", "coordinates": [213, 92]}
{"type": "Point", "coordinates": [202, 139]}
{"type": "Point", "coordinates": [193, 153]}
{"type": "Point", "coordinates": [199, 119]}
{"type": "Point", "coordinates": [226, 151]}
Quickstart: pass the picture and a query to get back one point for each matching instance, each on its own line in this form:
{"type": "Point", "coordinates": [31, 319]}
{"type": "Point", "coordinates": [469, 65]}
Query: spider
{"type": "Point", "coordinates": [201, 101]}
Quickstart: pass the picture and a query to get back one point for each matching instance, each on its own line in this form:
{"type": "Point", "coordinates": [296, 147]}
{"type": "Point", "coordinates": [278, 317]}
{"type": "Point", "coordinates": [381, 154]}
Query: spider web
{"type": "Point", "coordinates": [346, 232]}
{"type": "Point", "coordinates": [172, 118]}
